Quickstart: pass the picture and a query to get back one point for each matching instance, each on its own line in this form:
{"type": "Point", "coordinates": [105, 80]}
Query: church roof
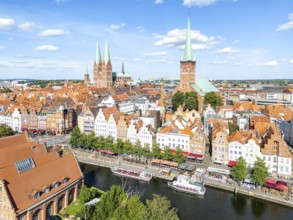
{"type": "Point", "coordinates": [116, 74]}
{"type": "Point", "coordinates": [107, 53]}
{"type": "Point", "coordinates": [203, 86]}
{"type": "Point", "coordinates": [98, 54]}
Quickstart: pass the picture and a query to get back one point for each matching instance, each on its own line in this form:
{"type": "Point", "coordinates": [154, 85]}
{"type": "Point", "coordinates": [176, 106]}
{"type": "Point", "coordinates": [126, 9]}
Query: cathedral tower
{"type": "Point", "coordinates": [103, 68]}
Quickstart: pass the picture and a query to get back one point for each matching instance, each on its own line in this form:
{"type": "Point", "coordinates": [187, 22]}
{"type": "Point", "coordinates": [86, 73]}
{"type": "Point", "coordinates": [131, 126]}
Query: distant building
{"type": "Point", "coordinates": [35, 183]}
{"type": "Point", "coordinates": [121, 79]}
{"type": "Point", "coordinates": [86, 77]}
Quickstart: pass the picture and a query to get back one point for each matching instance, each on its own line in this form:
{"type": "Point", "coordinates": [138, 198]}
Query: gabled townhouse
{"type": "Point", "coordinates": [106, 122]}
{"type": "Point", "coordinates": [244, 144]}
{"type": "Point", "coordinates": [86, 119]}
{"type": "Point", "coordinates": [107, 101]}
{"type": "Point", "coordinates": [146, 135]}
{"type": "Point", "coordinates": [16, 119]}
{"type": "Point", "coordinates": [141, 104]}
{"type": "Point", "coordinates": [220, 144]}
{"type": "Point", "coordinates": [187, 115]}
{"type": "Point", "coordinates": [132, 131]}
{"type": "Point", "coordinates": [275, 153]}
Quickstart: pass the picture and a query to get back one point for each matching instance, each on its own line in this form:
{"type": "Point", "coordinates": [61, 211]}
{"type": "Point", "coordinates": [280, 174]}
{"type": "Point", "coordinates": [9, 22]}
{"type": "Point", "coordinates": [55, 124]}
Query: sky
{"type": "Point", "coordinates": [231, 39]}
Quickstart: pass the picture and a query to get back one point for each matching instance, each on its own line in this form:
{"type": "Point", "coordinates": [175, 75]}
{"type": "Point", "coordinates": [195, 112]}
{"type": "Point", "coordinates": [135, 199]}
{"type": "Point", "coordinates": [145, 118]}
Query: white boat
{"type": "Point", "coordinates": [145, 176]}
{"type": "Point", "coordinates": [190, 184]}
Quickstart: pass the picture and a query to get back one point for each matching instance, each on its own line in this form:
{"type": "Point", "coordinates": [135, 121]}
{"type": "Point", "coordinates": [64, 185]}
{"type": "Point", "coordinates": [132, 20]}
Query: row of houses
{"type": "Point", "coordinates": [262, 140]}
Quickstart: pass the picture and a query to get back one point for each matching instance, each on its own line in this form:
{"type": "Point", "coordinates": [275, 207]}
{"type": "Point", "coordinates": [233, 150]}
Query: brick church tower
{"type": "Point", "coordinates": [187, 65]}
{"type": "Point", "coordinates": [103, 68]}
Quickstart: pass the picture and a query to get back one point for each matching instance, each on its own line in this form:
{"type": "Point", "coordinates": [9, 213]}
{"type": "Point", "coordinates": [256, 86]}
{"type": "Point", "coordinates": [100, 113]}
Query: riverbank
{"type": "Point", "coordinates": [87, 158]}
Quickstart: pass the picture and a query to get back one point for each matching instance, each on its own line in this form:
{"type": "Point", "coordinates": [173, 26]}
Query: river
{"type": "Point", "coordinates": [216, 204]}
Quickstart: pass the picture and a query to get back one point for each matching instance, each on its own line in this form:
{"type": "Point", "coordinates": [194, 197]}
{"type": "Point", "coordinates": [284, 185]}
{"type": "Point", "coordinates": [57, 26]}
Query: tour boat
{"type": "Point", "coordinates": [132, 174]}
{"type": "Point", "coordinates": [190, 184]}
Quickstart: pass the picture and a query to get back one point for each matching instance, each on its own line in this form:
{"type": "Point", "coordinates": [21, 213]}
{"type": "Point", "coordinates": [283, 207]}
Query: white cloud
{"type": "Point", "coordinates": [61, 1]}
{"type": "Point", "coordinates": [219, 62]}
{"type": "Point", "coordinates": [156, 61]}
{"type": "Point", "coordinates": [199, 3]}
{"type": "Point", "coordinates": [159, 1]}
{"type": "Point", "coordinates": [27, 26]}
{"type": "Point", "coordinates": [291, 61]}
{"type": "Point", "coordinates": [137, 59]}
{"type": "Point", "coordinates": [154, 54]}
{"type": "Point", "coordinates": [46, 47]}
{"type": "Point", "coordinates": [140, 29]}
{"type": "Point", "coordinates": [287, 25]}
{"type": "Point", "coordinates": [6, 23]}
{"type": "Point", "coordinates": [2, 47]}
{"type": "Point", "coordinates": [228, 50]}
{"type": "Point", "coordinates": [237, 64]}
{"type": "Point", "coordinates": [52, 33]}
{"type": "Point", "coordinates": [271, 63]}
{"type": "Point", "coordinates": [176, 38]}
{"type": "Point", "coordinates": [114, 27]}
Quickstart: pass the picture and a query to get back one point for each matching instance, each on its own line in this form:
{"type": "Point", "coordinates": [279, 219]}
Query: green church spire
{"type": "Point", "coordinates": [98, 54]}
{"type": "Point", "coordinates": [107, 53]}
{"type": "Point", "coordinates": [188, 56]}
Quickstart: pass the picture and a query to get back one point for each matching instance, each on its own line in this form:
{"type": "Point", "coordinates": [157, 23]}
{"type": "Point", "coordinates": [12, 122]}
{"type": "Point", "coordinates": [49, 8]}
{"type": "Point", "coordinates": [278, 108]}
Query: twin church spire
{"type": "Point", "coordinates": [106, 58]}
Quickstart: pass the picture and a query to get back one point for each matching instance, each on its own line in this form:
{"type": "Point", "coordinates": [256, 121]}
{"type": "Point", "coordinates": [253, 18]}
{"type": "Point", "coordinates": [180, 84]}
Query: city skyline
{"type": "Point", "coordinates": [231, 39]}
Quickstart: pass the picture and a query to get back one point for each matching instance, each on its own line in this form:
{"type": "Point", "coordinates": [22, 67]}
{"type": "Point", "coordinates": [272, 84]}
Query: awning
{"type": "Point", "coordinates": [185, 153]}
{"type": "Point", "coordinates": [24, 129]}
{"type": "Point", "coordinates": [232, 163]}
{"type": "Point", "coordinates": [41, 131]}
{"type": "Point", "coordinates": [270, 181]}
{"type": "Point", "coordinates": [281, 187]}
{"type": "Point", "coordinates": [32, 130]}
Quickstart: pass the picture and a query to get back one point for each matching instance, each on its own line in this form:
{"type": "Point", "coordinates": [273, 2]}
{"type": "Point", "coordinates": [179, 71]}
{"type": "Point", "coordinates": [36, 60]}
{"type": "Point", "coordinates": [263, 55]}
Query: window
{"type": "Point", "coordinates": [65, 180]}
{"type": "Point", "coordinates": [37, 195]}
{"type": "Point", "coordinates": [47, 190]}
{"type": "Point", "coordinates": [24, 165]}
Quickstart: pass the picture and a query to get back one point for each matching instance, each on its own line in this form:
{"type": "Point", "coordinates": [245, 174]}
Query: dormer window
{"type": "Point", "coordinates": [36, 194]}
{"type": "Point", "coordinates": [46, 189]}
{"type": "Point", "coordinates": [64, 180]}
{"type": "Point", "coordinates": [55, 184]}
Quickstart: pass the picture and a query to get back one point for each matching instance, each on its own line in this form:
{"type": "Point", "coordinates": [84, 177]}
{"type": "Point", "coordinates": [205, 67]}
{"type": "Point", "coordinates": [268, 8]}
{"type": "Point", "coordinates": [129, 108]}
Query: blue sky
{"type": "Point", "coordinates": [232, 39]}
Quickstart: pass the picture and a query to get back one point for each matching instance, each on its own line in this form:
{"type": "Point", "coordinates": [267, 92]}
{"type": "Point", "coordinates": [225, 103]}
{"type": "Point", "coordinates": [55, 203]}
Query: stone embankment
{"type": "Point", "coordinates": [88, 158]}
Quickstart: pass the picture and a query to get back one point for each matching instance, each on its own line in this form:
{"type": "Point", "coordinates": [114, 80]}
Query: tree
{"type": "Point", "coordinates": [190, 100]}
{"type": "Point", "coordinates": [177, 99]}
{"type": "Point", "coordinates": [132, 208]}
{"type": "Point", "coordinates": [159, 208]}
{"type": "Point", "coordinates": [109, 202]}
{"type": "Point", "coordinates": [232, 127]}
{"type": "Point", "coordinates": [90, 139]}
{"type": "Point", "coordinates": [5, 130]}
{"type": "Point", "coordinates": [239, 171]}
{"type": "Point", "coordinates": [259, 172]}
{"type": "Point", "coordinates": [86, 212]}
{"type": "Point", "coordinates": [85, 194]}
{"type": "Point", "coordinates": [6, 90]}
{"type": "Point", "coordinates": [156, 151]}
{"type": "Point", "coordinates": [74, 136]}
{"type": "Point", "coordinates": [213, 98]}
{"type": "Point", "coordinates": [168, 155]}
{"type": "Point", "coordinates": [178, 156]}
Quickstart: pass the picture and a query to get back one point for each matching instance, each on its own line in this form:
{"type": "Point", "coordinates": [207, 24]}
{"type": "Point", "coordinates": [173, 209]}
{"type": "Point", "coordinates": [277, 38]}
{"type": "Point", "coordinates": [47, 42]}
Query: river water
{"type": "Point", "coordinates": [216, 204]}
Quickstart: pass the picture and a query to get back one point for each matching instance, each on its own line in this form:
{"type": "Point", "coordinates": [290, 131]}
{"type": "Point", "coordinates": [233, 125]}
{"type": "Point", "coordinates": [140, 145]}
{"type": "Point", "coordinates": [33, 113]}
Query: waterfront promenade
{"type": "Point", "coordinates": [89, 158]}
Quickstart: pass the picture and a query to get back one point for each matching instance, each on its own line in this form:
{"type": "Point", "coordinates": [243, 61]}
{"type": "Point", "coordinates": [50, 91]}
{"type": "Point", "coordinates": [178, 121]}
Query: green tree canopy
{"type": "Point", "coordinates": [159, 208]}
{"type": "Point", "coordinates": [5, 130]}
{"type": "Point", "coordinates": [213, 98]}
{"type": "Point", "coordinates": [131, 208]}
{"type": "Point", "coordinates": [190, 100]}
{"type": "Point", "coordinates": [85, 194]}
{"type": "Point", "coordinates": [74, 136]}
{"type": "Point", "coordinates": [168, 155]}
{"type": "Point", "coordinates": [239, 171]}
{"type": "Point", "coordinates": [177, 99]}
{"type": "Point", "coordinates": [156, 151]}
{"type": "Point", "coordinates": [6, 90]}
{"type": "Point", "coordinates": [178, 156]}
{"type": "Point", "coordinates": [259, 172]}
{"type": "Point", "coordinates": [232, 127]}
{"type": "Point", "coordinates": [110, 200]}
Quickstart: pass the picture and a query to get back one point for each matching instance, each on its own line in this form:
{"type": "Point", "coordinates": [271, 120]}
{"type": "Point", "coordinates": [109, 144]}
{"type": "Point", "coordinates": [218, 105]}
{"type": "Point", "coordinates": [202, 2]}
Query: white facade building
{"type": "Point", "coordinates": [16, 120]}
{"type": "Point", "coordinates": [173, 140]}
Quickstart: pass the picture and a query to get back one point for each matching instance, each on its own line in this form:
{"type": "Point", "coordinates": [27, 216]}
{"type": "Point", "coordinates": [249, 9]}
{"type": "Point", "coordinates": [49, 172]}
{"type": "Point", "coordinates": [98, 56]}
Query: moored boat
{"type": "Point", "coordinates": [145, 176]}
{"type": "Point", "coordinates": [189, 184]}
